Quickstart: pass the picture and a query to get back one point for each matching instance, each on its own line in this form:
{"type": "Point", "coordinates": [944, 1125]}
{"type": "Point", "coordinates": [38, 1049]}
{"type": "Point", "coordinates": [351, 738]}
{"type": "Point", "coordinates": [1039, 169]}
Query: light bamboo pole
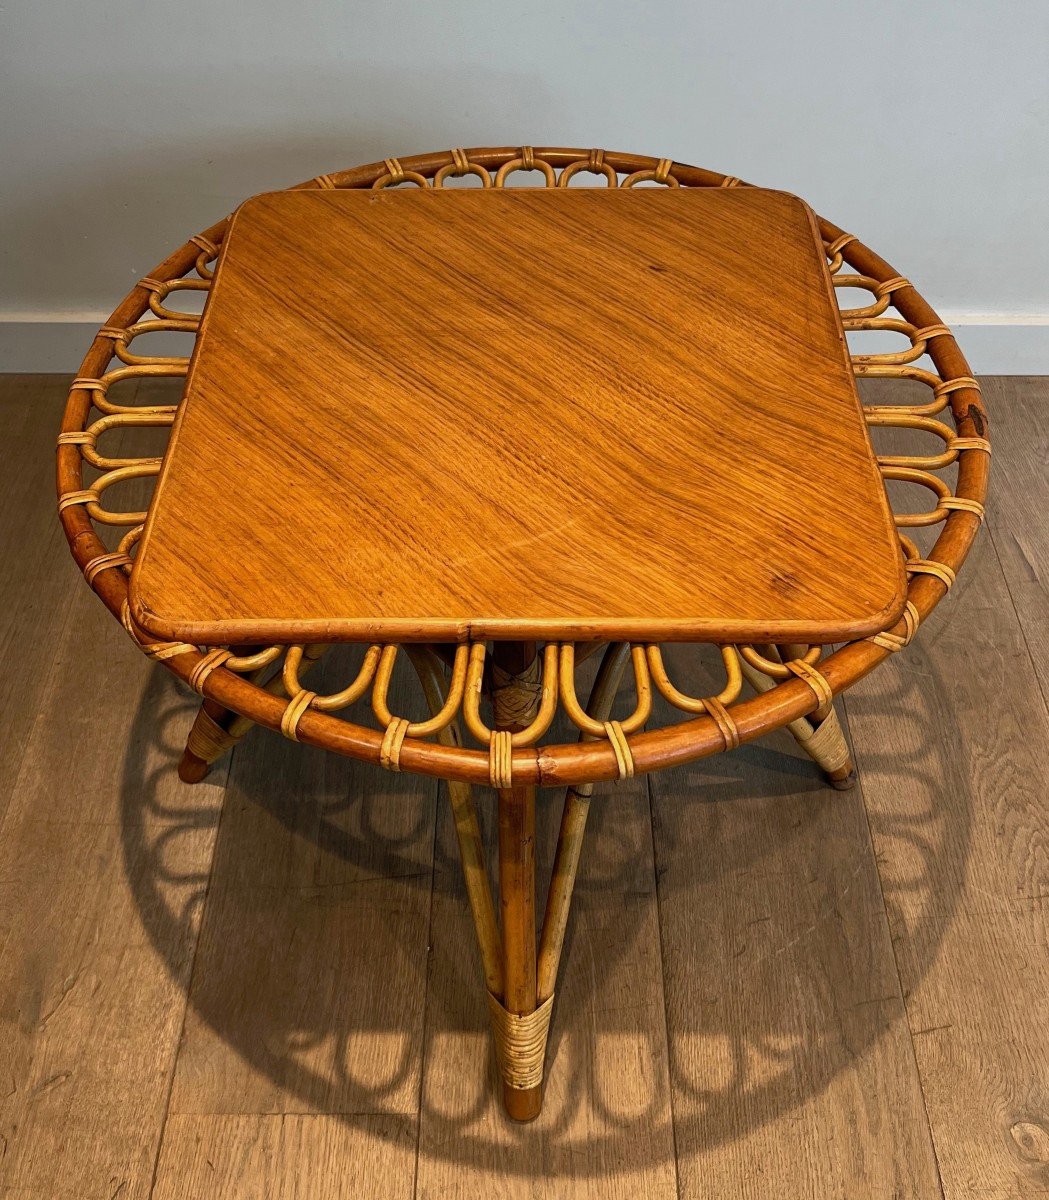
{"type": "Point", "coordinates": [573, 826]}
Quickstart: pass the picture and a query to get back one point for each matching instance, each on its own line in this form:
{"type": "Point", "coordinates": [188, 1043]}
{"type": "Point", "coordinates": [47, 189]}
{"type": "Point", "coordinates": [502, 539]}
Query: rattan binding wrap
{"type": "Point", "coordinates": [520, 1042]}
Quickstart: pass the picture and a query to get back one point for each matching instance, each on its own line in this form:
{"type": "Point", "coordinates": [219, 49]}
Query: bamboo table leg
{"type": "Point", "coordinates": [514, 705]}
{"type": "Point", "coordinates": [216, 730]}
{"type": "Point", "coordinates": [573, 825]}
{"type": "Point", "coordinates": [820, 735]}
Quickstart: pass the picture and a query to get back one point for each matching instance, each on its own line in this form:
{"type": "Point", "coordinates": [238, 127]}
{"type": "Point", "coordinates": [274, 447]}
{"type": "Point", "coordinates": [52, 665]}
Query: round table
{"type": "Point", "coordinates": [506, 671]}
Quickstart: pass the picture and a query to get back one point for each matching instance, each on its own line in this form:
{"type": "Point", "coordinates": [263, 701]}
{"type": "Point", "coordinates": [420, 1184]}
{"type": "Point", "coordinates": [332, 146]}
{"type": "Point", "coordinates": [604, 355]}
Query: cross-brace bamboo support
{"type": "Point", "coordinates": [521, 980]}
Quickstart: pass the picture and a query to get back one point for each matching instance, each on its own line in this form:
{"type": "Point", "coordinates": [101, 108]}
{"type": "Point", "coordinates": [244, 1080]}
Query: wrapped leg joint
{"type": "Point", "coordinates": [520, 1042]}
{"type": "Point", "coordinates": [207, 740]}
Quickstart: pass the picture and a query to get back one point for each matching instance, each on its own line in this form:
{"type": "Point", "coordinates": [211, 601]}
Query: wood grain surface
{"type": "Point", "coordinates": [520, 413]}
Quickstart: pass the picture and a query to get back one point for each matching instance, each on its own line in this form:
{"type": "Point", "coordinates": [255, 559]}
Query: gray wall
{"type": "Point", "coordinates": [128, 124]}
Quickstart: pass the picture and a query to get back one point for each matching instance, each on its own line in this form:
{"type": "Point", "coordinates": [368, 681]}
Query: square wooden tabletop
{"type": "Point", "coordinates": [560, 414]}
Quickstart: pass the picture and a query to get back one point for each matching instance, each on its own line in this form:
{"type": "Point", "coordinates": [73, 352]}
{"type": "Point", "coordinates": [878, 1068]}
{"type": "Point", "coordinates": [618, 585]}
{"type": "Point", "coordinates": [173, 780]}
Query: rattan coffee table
{"type": "Point", "coordinates": [499, 430]}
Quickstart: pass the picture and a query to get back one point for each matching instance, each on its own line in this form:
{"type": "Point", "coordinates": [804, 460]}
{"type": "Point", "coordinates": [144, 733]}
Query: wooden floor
{"type": "Point", "coordinates": [266, 986]}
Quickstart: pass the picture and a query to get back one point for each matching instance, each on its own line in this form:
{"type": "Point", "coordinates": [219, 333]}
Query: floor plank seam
{"type": "Point", "coordinates": [663, 980]}
{"type": "Point", "coordinates": [426, 988]}
{"type": "Point", "coordinates": [901, 993]}
{"type": "Point", "coordinates": [189, 982]}
{"type": "Point", "coordinates": [1019, 621]}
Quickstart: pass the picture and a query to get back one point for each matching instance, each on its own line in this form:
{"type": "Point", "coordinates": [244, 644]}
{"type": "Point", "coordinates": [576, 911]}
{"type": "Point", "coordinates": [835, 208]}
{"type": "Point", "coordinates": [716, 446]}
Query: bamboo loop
{"type": "Point", "coordinates": [88, 438]}
{"type": "Point", "coordinates": [661, 174]}
{"type": "Point", "coordinates": [525, 161]}
{"type": "Point", "coordinates": [924, 479]}
{"type": "Point", "coordinates": [777, 670]}
{"type": "Point", "coordinates": [544, 714]}
{"type": "Point", "coordinates": [396, 174]}
{"type": "Point", "coordinates": [459, 166]}
{"type": "Point", "coordinates": [695, 704]}
{"type": "Point", "coordinates": [100, 387]}
{"type": "Point", "coordinates": [919, 339]}
{"type": "Point", "coordinates": [294, 659]}
{"type": "Point", "coordinates": [593, 164]}
{"type": "Point", "coordinates": [239, 724]}
{"type": "Point", "coordinates": [130, 539]}
{"type": "Point", "coordinates": [444, 716]}
{"type": "Point", "coordinates": [834, 249]}
{"type": "Point", "coordinates": [125, 336]}
{"type": "Point", "coordinates": [254, 662]}
{"type": "Point", "coordinates": [162, 290]}
{"type": "Point", "coordinates": [588, 724]}
{"type": "Point", "coordinates": [208, 251]}
{"type": "Point", "coordinates": [90, 497]}
{"type": "Point", "coordinates": [861, 283]}
{"type": "Point", "coordinates": [882, 417]}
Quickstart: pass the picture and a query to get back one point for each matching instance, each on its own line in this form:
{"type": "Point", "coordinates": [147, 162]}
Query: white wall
{"type": "Point", "coordinates": [129, 124]}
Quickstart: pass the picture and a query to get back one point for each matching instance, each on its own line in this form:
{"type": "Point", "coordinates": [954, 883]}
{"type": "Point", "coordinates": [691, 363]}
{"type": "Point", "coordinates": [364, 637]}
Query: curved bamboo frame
{"type": "Point", "coordinates": [792, 685]}
{"type": "Point", "coordinates": [714, 724]}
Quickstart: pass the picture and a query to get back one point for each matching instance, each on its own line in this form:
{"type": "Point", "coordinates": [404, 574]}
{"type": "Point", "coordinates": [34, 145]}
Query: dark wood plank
{"type": "Point", "coordinates": [950, 741]}
{"type": "Point", "coordinates": [39, 577]}
{"type": "Point", "coordinates": [309, 987]}
{"type": "Point", "coordinates": [104, 859]}
{"type": "Point", "coordinates": [792, 1068]}
{"type": "Point", "coordinates": [303, 1157]}
{"type": "Point", "coordinates": [1019, 407]}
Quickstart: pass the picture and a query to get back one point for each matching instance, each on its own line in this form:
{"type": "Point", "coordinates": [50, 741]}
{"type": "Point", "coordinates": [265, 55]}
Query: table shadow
{"type": "Point", "coordinates": [319, 970]}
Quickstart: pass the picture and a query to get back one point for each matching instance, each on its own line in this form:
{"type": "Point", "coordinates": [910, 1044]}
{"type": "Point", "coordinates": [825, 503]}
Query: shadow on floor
{"type": "Point", "coordinates": [335, 943]}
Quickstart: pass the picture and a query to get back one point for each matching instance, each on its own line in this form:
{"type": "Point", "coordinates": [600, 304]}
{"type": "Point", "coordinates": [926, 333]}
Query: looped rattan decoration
{"type": "Point", "coordinates": [791, 686]}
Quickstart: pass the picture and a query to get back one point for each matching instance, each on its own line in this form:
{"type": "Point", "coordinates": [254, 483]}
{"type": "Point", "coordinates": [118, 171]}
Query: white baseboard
{"type": "Point", "coordinates": [994, 343]}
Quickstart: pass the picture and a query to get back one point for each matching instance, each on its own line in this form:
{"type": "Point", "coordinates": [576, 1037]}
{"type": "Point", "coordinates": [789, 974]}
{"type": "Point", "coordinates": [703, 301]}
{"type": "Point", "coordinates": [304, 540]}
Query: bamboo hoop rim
{"type": "Point", "coordinates": [960, 512]}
